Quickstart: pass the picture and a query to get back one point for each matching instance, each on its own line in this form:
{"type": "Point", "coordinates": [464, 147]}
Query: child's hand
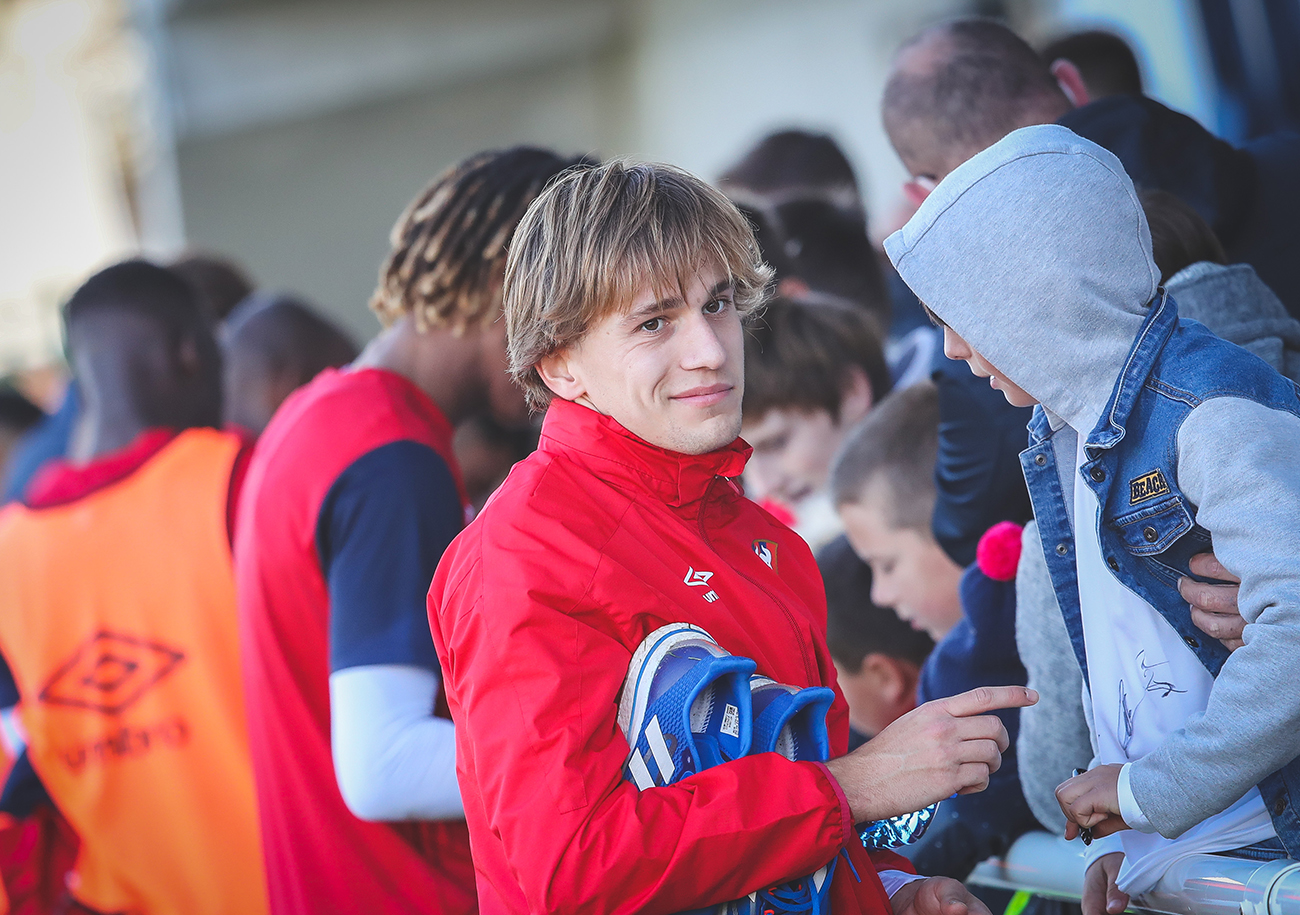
{"type": "Point", "coordinates": [1100, 894]}
{"type": "Point", "coordinates": [1214, 607]}
{"type": "Point", "coordinates": [1091, 800]}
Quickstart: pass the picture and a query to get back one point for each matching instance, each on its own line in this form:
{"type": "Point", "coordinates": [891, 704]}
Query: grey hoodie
{"type": "Point", "coordinates": [1235, 303]}
{"type": "Point", "coordinates": [1037, 253]}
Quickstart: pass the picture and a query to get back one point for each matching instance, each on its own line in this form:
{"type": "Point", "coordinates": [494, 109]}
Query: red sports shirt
{"type": "Point", "coordinates": [319, 856]}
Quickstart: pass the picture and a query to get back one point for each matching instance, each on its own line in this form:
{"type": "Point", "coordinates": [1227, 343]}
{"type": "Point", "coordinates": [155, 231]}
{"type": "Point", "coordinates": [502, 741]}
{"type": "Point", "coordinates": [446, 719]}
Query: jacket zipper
{"type": "Point", "coordinates": [789, 618]}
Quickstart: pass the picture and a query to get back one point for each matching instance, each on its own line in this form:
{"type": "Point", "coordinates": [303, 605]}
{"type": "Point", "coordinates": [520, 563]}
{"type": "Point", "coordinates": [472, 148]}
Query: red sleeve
{"type": "Point", "coordinates": [533, 690]}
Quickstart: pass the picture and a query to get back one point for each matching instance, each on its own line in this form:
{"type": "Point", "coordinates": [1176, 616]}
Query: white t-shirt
{"type": "Point", "coordinates": [1145, 683]}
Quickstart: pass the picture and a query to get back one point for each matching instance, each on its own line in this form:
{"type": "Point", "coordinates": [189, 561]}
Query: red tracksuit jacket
{"type": "Point", "coordinates": [536, 608]}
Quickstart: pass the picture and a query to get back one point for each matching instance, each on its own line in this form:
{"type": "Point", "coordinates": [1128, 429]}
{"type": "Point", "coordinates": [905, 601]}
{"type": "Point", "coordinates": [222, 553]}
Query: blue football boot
{"type": "Point", "coordinates": [792, 722]}
{"type": "Point", "coordinates": [685, 706]}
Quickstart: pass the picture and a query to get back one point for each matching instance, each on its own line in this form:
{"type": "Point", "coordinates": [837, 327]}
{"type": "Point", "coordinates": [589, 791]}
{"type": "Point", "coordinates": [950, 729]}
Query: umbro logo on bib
{"type": "Point", "coordinates": [109, 672]}
{"type": "Point", "coordinates": [1147, 487]}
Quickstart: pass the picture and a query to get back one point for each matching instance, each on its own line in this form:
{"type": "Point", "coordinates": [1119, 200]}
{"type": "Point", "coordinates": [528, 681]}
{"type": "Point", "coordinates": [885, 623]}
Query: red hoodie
{"type": "Point", "coordinates": [591, 543]}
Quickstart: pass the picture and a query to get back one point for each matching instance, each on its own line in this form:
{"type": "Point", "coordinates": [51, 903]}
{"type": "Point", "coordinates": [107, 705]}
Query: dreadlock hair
{"type": "Point", "coordinates": [449, 245]}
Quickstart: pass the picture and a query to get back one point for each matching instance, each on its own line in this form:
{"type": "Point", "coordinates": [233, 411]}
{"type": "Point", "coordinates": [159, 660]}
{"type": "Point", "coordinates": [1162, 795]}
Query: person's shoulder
{"type": "Point", "coordinates": [547, 489]}
{"type": "Point", "coordinates": [337, 404]}
{"type": "Point", "coordinates": [546, 522]}
{"type": "Point", "coordinates": [1200, 363]}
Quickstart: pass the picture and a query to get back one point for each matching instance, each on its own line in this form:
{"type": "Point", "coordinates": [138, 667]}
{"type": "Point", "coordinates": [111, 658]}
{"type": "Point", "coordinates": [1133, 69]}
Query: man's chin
{"type": "Point", "coordinates": [700, 435]}
{"type": "Point", "coordinates": [709, 436]}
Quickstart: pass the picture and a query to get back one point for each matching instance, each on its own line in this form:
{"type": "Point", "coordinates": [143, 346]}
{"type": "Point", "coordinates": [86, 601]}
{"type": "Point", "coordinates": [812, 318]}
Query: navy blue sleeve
{"type": "Point", "coordinates": [23, 789]}
{"type": "Point", "coordinates": [382, 529]}
{"type": "Point", "coordinates": [8, 688]}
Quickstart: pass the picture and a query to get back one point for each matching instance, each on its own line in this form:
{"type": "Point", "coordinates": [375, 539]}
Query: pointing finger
{"type": "Point", "coordinates": [989, 698]}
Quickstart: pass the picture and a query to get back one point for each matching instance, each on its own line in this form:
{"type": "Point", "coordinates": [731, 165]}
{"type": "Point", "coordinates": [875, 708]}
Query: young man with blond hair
{"type": "Point", "coordinates": [625, 293]}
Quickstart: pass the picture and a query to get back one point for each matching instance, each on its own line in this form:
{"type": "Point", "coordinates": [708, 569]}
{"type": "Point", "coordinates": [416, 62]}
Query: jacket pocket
{"type": "Point", "coordinates": [1155, 528]}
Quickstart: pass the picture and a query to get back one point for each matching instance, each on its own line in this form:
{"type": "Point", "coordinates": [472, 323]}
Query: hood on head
{"type": "Point", "coordinates": [1037, 252]}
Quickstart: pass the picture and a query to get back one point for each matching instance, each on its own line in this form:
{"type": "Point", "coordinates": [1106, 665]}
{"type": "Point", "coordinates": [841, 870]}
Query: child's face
{"type": "Point", "coordinates": [910, 572]}
{"type": "Point", "coordinates": [794, 447]}
{"type": "Point", "coordinates": [954, 347]}
{"type": "Point", "coordinates": [792, 453]}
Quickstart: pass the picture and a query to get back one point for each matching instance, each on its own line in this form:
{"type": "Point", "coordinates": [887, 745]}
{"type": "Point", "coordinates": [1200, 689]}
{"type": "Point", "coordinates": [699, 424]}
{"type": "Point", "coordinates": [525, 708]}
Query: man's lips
{"type": "Point", "coordinates": [705, 395]}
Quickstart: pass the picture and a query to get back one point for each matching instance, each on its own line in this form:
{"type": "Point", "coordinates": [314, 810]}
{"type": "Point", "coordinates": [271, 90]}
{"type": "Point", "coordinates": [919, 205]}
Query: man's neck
{"type": "Point", "coordinates": [446, 367]}
{"type": "Point", "coordinates": [110, 420]}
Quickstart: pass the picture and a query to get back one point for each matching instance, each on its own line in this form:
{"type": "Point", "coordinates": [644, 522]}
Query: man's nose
{"type": "Point", "coordinates": [954, 347]}
{"type": "Point", "coordinates": [701, 348]}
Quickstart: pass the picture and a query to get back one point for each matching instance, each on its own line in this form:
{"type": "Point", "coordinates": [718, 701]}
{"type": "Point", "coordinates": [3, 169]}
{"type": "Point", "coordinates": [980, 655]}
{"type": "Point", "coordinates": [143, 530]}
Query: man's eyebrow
{"type": "Point", "coordinates": [675, 301]}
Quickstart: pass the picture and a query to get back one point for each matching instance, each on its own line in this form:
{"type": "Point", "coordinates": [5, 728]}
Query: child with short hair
{"type": "Point", "coordinates": [1151, 436]}
{"type": "Point", "coordinates": [883, 486]}
{"type": "Point", "coordinates": [814, 366]}
{"type": "Point", "coordinates": [877, 656]}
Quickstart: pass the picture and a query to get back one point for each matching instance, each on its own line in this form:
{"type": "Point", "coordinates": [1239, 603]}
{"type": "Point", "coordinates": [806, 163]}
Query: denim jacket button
{"type": "Point", "coordinates": [1113, 563]}
{"type": "Point", "coordinates": [1062, 548]}
{"type": "Point", "coordinates": [1150, 535]}
{"type": "Point", "coordinates": [1191, 642]}
{"type": "Point", "coordinates": [1040, 459]}
{"type": "Point", "coordinates": [1278, 806]}
{"type": "Point", "coordinates": [1097, 474]}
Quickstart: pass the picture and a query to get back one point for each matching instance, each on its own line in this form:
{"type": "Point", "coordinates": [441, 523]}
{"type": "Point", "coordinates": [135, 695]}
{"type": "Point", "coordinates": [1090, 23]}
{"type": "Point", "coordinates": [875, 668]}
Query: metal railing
{"type": "Point", "coordinates": [1196, 885]}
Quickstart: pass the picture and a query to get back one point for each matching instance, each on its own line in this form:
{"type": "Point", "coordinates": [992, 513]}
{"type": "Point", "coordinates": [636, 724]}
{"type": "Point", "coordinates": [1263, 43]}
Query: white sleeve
{"type": "Point", "coordinates": [13, 737]}
{"type": "Point", "coordinates": [895, 880]}
{"type": "Point", "coordinates": [1101, 847]}
{"type": "Point", "coordinates": [393, 758]}
{"type": "Point", "coordinates": [1128, 805]}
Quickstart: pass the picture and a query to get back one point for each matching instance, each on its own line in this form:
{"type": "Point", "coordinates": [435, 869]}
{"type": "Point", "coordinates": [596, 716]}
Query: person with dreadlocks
{"type": "Point", "coordinates": [352, 495]}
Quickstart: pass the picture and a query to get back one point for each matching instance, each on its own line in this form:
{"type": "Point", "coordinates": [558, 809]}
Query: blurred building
{"type": "Point", "coordinates": [290, 133]}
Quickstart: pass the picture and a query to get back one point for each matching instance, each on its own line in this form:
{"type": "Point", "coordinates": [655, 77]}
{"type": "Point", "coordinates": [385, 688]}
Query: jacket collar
{"type": "Point", "coordinates": [1162, 318]}
{"type": "Point", "coordinates": [601, 444]}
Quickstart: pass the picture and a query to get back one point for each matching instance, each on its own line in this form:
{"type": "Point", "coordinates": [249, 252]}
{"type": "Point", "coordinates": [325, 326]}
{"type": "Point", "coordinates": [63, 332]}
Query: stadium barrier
{"type": "Point", "coordinates": [1047, 865]}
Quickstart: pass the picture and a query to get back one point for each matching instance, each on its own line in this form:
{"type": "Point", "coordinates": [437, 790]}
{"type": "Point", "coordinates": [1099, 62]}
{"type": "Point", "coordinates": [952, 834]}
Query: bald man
{"type": "Point", "coordinates": [959, 87]}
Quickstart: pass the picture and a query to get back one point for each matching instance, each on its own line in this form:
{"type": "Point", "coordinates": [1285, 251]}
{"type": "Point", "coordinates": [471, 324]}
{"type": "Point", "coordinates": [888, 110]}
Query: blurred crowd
{"type": "Point", "coordinates": [304, 761]}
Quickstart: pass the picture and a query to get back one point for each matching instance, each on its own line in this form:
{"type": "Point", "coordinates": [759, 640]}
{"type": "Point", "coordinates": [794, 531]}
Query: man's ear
{"type": "Point", "coordinates": [558, 373]}
{"type": "Point", "coordinates": [1071, 82]}
{"type": "Point", "coordinates": [856, 396]}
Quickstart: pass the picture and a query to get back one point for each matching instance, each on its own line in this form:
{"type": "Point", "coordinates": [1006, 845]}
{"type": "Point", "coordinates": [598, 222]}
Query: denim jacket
{"type": "Point", "coordinates": [1147, 526]}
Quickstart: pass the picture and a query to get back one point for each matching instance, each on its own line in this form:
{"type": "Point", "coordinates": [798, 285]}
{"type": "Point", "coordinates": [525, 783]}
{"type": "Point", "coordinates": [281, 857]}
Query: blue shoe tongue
{"type": "Point", "coordinates": [792, 723]}
{"type": "Point", "coordinates": [719, 716]}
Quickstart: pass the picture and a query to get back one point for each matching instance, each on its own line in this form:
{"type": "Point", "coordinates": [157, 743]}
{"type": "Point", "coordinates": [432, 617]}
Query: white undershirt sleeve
{"type": "Point", "coordinates": [1128, 805]}
{"type": "Point", "coordinates": [394, 759]}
